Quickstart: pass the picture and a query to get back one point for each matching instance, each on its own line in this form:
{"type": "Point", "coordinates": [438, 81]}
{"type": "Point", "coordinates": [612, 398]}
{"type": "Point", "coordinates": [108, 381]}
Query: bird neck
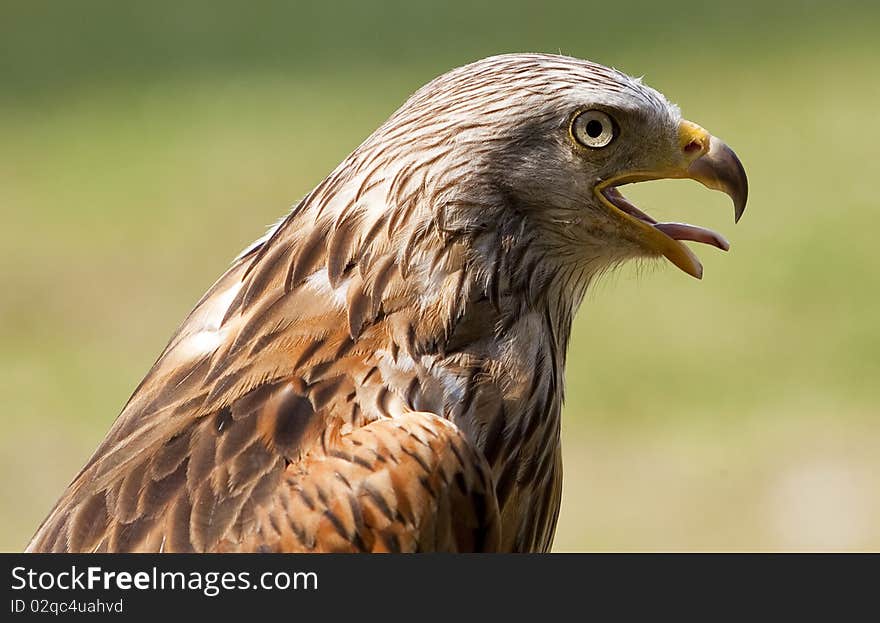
{"type": "Point", "coordinates": [495, 365]}
{"type": "Point", "coordinates": [488, 331]}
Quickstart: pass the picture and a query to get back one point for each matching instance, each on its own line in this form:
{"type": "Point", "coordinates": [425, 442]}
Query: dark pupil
{"type": "Point", "coordinates": [594, 128]}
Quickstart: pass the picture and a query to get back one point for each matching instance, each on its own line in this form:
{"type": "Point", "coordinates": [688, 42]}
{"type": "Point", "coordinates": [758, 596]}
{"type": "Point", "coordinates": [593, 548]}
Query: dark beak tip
{"type": "Point", "coordinates": [739, 207]}
{"type": "Point", "coordinates": [741, 193]}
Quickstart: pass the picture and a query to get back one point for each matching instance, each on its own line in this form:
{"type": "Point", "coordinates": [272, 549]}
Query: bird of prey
{"type": "Point", "coordinates": [383, 370]}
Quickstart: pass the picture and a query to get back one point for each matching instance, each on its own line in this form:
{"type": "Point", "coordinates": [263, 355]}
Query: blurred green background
{"type": "Point", "coordinates": [142, 145]}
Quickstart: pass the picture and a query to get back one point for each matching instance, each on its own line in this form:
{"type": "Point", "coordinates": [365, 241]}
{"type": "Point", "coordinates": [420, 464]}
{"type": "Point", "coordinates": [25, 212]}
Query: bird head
{"type": "Point", "coordinates": [549, 140]}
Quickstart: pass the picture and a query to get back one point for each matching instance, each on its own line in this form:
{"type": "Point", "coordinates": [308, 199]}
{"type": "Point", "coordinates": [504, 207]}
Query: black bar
{"type": "Point", "coordinates": [423, 587]}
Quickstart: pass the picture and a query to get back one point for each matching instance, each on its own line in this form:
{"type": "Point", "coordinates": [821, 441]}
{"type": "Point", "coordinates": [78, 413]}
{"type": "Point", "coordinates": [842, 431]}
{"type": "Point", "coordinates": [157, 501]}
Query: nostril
{"type": "Point", "coordinates": [693, 146]}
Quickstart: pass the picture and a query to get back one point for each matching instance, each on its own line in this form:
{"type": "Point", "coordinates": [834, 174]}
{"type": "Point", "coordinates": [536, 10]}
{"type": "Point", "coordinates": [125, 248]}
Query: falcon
{"type": "Point", "coordinates": [383, 370]}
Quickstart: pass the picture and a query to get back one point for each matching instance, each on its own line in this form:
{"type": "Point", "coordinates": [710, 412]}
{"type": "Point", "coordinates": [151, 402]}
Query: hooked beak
{"type": "Point", "coordinates": [699, 156]}
{"type": "Point", "coordinates": [720, 169]}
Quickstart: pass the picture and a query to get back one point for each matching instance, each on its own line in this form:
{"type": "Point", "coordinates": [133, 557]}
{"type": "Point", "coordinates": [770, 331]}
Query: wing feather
{"type": "Point", "coordinates": [279, 416]}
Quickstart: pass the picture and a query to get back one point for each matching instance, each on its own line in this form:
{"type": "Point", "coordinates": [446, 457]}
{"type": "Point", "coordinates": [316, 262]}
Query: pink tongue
{"type": "Point", "coordinates": [683, 231]}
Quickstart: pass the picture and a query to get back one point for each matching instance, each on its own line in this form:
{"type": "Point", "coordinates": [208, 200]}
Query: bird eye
{"type": "Point", "coordinates": [593, 128]}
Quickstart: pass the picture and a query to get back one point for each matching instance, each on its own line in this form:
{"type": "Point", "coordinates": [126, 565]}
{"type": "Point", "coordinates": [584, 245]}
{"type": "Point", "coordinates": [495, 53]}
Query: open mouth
{"type": "Point", "coordinates": [676, 231]}
{"type": "Point", "coordinates": [702, 158]}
